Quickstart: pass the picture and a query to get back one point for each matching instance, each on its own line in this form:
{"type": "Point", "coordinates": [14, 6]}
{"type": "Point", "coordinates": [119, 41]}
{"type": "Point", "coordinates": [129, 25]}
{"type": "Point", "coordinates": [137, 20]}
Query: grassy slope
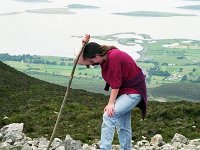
{"type": "Point", "coordinates": [186, 91]}
{"type": "Point", "coordinates": [35, 102]}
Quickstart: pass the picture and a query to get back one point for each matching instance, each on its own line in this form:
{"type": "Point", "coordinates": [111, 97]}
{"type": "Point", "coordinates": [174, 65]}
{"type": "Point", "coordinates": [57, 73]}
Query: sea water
{"type": "Point", "coordinates": [22, 32]}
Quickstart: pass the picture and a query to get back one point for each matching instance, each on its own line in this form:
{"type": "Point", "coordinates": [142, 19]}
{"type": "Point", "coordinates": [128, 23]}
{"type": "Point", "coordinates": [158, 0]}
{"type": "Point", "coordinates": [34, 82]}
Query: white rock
{"type": "Point", "coordinates": [43, 143]}
{"type": "Point", "coordinates": [60, 148]}
{"type": "Point", "coordinates": [30, 142]}
{"type": "Point", "coordinates": [180, 138]}
{"type": "Point", "coordinates": [9, 141]}
{"type": "Point", "coordinates": [34, 148]}
{"type": "Point", "coordinates": [12, 127]}
{"type": "Point", "coordinates": [143, 143]}
{"type": "Point", "coordinates": [4, 144]}
{"type": "Point", "coordinates": [157, 140]}
{"type": "Point", "coordinates": [195, 142]}
{"type": "Point", "coordinates": [68, 137]}
{"type": "Point", "coordinates": [27, 147]}
{"type": "Point", "coordinates": [28, 139]}
{"type": "Point", "coordinates": [178, 145]}
{"type": "Point", "coordinates": [87, 147]}
{"type": "Point", "coordinates": [18, 144]}
{"type": "Point", "coordinates": [35, 142]}
{"type": "Point", "coordinates": [142, 148]}
{"type": "Point", "coordinates": [136, 147]}
{"type": "Point", "coordinates": [14, 136]}
{"type": "Point", "coordinates": [190, 147]}
{"type": "Point", "coordinates": [56, 143]}
{"type": "Point", "coordinates": [168, 147]}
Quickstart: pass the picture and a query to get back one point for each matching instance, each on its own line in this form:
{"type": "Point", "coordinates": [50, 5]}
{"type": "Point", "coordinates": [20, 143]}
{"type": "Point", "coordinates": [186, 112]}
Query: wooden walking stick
{"type": "Point", "coordinates": [66, 94]}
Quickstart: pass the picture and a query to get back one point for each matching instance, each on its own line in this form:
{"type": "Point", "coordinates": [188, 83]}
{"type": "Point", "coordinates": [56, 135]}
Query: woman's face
{"type": "Point", "coordinates": [96, 60]}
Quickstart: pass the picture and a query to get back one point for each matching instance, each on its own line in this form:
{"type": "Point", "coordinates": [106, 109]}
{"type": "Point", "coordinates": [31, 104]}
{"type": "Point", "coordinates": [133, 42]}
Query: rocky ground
{"type": "Point", "coordinates": [13, 138]}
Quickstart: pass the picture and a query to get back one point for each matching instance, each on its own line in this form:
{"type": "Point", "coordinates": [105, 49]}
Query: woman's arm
{"type": "Point", "coordinates": [111, 104]}
{"type": "Point", "coordinates": [81, 60]}
{"type": "Point", "coordinates": [113, 95]}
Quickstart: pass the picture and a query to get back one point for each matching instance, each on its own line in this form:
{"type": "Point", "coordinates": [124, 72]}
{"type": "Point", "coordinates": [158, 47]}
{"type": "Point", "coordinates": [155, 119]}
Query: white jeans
{"type": "Point", "coordinates": [120, 120]}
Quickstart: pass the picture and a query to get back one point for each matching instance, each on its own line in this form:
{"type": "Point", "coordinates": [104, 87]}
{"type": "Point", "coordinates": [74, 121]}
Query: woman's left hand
{"type": "Point", "coordinates": [110, 109]}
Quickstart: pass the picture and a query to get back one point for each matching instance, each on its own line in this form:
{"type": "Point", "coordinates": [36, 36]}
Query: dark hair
{"type": "Point", "coordinates": [92, 48]}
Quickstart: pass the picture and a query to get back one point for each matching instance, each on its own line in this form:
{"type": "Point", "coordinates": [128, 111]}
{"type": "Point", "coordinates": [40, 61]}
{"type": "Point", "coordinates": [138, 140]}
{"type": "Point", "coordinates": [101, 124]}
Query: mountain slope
{"type": "Point", "coordinates": [36, 103]}
{"type": "Point", "coordinates": [186, 91]}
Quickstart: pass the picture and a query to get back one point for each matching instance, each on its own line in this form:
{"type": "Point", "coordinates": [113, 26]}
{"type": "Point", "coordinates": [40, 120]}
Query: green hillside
{"type": "Point", "coordinates": [185, 91]}
{"type": "Point", "coordinates": [36, 103]}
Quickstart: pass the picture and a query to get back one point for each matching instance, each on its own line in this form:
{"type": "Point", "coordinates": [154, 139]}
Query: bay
{"type": "Point", "coordinates": [23, 31]}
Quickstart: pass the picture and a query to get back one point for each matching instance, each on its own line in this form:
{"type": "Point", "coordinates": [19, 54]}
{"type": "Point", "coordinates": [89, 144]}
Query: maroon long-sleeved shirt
{"type": "Point", "coordinates": [121, 72]}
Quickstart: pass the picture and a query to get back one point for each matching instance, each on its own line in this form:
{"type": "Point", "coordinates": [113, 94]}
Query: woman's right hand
{"type": "Point", "coordinates": [86, 38]}
{"type": "Point", "coordinates": [110, 109]}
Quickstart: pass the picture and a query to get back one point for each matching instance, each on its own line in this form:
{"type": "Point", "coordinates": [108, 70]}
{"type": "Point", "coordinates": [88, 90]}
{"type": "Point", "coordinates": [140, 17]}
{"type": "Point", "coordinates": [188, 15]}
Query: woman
{"type": "Point", "coordinates": [128, 90]}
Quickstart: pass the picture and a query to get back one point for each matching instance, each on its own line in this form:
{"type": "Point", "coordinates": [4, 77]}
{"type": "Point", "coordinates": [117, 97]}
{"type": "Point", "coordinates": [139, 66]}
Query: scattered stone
{"type": "Point", "coordinates": [43, 143]}
{"type": "Point", "coordinates": [26, 147]}
{"type": "Point", "coordinates": [14, 127]}
{"type": "Point", "coordinates": [56, 143]}
{"type": "Point", "coordinates": [157, 140]}
{"type": "Point", "coordinates": [60, 148]}
{"type": "Point", "coordinates": [195, 142]}
{"type": "Point", "coordinates": [143, 143]}
{"type": "Point", "coordinates": [12, 138]}
{"type": "Point", "coordinates": [180, 138]}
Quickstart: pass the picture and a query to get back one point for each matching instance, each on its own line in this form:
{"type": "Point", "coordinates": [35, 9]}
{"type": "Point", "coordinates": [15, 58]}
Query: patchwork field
{"type": "Point", "coordinates": [163, 61]}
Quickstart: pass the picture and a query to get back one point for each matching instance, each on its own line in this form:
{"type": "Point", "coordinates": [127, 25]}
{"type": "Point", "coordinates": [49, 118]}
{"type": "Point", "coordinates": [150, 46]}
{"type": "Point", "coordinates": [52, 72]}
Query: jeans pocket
{"type": "Point", "coordinates": [134, 96]}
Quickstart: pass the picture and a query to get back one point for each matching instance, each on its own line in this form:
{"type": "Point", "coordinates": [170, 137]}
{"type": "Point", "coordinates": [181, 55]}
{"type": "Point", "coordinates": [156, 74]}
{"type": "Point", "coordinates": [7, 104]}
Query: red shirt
{"type": "Point", "coordinates": [119, 67]}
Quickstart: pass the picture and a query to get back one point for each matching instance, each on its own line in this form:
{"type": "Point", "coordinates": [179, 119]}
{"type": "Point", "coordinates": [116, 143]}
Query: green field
{"type": "Point", "coordinates": [165, 61]}
{"type": "Point", "coordinates": [182, 59]}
